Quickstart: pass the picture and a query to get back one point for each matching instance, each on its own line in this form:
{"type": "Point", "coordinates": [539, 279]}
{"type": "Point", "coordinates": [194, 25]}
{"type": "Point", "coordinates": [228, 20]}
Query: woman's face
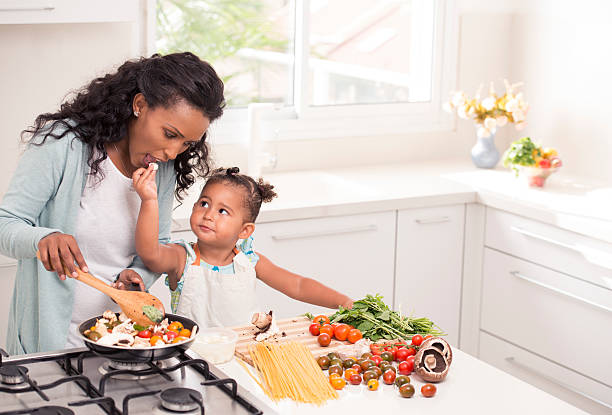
{"type": "Point", "coordinates": [161, 134]}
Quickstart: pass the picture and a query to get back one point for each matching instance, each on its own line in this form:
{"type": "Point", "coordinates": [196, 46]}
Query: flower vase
{"type": "Point", "coordinates": [484, 153]}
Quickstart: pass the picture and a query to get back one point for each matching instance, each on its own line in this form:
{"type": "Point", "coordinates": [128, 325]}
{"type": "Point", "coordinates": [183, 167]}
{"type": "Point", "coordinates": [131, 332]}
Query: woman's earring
{"type": "Point", "coordinates": [136, 114]}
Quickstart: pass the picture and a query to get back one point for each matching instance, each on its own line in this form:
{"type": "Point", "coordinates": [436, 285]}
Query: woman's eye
{"type": "Point", "coordinates": [169, 134]}
{"type": "Point", "coordinates": [223, 212]}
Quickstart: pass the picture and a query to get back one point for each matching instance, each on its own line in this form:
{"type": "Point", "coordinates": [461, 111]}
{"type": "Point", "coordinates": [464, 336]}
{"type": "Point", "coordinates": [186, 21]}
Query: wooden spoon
{"type": "Point", "coordinates": [130, 302]}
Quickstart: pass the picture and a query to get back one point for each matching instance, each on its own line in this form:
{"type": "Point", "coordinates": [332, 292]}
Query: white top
{"type": "Point", "coordinates": [105, 230]}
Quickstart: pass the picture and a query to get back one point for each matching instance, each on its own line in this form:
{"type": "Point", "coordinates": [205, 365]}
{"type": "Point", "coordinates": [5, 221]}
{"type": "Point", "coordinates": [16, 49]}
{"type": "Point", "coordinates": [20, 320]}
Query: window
{"type": "Point", "coordinates": [331, 67]}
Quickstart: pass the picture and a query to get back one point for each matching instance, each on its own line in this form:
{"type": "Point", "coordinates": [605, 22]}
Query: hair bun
{"type": "Point", "coordinates": [232, 170]}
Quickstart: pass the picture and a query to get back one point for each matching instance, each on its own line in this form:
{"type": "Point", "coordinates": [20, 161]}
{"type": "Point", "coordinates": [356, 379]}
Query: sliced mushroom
{"type": "Point", "coordinates": [433, 359]}
{"type": "Point", "coordinates": [262, 320]}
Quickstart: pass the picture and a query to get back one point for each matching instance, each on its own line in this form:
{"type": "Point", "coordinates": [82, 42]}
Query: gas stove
{"type": "Point", "coordinates": [78, 381]}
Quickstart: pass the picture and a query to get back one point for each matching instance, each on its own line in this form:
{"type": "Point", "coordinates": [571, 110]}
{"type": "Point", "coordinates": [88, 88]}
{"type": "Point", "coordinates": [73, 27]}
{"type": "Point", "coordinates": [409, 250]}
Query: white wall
{"type": "Point", "coordinates": [561, 49]}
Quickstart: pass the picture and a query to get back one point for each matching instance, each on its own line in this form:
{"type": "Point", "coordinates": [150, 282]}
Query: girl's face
{"type": "Point", "coordinates": [218, 217]}
{"type": "Point", "coordinates": [161, 134]}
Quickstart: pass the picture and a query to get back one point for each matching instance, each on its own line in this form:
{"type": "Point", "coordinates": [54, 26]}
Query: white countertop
{"type": "Point", "coordinates": [577, 204]}
{"type": "Point", "coordinates": [471, 387]}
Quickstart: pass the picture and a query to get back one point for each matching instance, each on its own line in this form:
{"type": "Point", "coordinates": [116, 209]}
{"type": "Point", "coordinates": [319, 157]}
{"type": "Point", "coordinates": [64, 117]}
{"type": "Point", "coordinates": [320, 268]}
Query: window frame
{"type": "Point", "coordinates": [302, 121]}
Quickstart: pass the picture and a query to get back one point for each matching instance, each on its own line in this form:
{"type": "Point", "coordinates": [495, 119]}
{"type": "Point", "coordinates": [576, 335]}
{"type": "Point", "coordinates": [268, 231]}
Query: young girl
{"type": "Point", "coordinates": [213, 281]}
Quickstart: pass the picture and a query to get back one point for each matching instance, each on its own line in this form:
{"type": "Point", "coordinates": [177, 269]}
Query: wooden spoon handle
{"type": "Point", "coordinates": [90, 280]}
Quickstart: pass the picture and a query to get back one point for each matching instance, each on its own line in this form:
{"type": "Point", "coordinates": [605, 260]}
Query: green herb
{"type": "Point", "coordinates": [152, 313]}
{"type": "Point", "coordinates": [521, 153]}
{"type": "Point", "coordinates": [138, 327]}
{"type": "Point", "coordinates": [308, 316]}
{"type": "Point", "coordinates": [377, 321]}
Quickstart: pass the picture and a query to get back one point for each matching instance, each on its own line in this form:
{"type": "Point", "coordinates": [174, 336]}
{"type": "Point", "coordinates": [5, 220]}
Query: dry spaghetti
{"type": "Point", "coordinates": [288, 370]}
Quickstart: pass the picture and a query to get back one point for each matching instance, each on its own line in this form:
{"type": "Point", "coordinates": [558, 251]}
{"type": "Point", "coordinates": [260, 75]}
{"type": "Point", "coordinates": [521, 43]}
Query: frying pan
{"type": "Point", "coordinates": [131, 354]}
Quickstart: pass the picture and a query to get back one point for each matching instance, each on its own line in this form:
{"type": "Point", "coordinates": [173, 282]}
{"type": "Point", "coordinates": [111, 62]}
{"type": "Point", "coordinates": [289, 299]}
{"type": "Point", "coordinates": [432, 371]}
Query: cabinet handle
{"type": "Point", "coordinates": [284, 237]}
{"type": "Point", "coordinates": [544, 238]}
{"type": "Point", "coordinates": [432, 220]}
{"type": "Point", "coordinates": [512, 361]}
{"type": "Point", "coordinates": [27, 9]}
{"type": "Point", "coordinates": [557, 290]}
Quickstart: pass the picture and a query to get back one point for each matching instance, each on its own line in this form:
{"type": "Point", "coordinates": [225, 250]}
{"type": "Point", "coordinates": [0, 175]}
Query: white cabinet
{"type": "Point", "coordinates": [8, 270]}
{"type": "Point", "coordinates": [429, 260]}
{"type": "Point", "coordinates": [546, 293]}
{"type": "Point", "coordinates": [351, 254]}
{"type": "Point", "coordinates": [67, 11]}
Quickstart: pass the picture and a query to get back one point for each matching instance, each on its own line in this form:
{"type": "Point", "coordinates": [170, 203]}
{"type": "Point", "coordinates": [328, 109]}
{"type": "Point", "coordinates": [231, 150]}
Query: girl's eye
{"type": "Point", "coordinates": [223, 212]}
{"type": "Point", "coordinates": [203, 203]}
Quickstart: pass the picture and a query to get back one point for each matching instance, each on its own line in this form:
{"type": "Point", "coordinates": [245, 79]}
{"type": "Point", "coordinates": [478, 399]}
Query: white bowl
{"type": "Point", "coordinates": [215, 345]}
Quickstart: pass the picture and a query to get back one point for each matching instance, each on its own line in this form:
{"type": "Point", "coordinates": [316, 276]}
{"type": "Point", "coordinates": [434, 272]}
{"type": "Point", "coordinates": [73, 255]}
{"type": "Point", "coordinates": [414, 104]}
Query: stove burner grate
{"type": "Point", "coordinates": [10, 374]}
{"type": "Point", "coordinates": [181, 399]}
{"type": "Point", "coordinates": [52, 410]}
{"type": "Point", "coordinates": [110, 366]}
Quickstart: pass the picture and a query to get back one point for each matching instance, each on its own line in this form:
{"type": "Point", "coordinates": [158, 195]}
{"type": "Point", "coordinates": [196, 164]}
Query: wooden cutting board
{"type": "Point", "coordinates": [292, 329]}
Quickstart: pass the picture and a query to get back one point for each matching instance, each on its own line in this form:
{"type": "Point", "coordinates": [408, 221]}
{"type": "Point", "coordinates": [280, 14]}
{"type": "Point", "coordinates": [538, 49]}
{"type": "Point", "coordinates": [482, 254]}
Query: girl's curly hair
{"type": "Point", "coordinates": [256, 192]}
{"type": "Point", "coordinates": [100, 112]}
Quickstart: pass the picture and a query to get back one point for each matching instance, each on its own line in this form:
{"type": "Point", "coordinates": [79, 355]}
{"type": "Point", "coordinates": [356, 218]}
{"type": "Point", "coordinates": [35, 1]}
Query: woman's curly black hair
{"type": "Point", "coordinates": [256, 192]}
{"type": "Point", "coordinates": [100, 112]}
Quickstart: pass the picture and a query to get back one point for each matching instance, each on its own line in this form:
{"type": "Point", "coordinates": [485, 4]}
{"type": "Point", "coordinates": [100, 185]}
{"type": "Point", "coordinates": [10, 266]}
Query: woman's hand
{"type": "Point", "coordinates": [128, 278]}
{"type": "Point", "coordinates": [143, 181]}
{"type": "Point", "coordinates": [348, 303]}
{"type": "Point", "coordinates": [56, 248]}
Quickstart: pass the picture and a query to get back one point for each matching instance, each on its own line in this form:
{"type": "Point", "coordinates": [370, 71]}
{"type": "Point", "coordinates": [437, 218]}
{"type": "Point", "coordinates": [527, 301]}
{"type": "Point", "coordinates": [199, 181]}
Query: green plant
{"type": "Point", "coordinates": [521, 153]}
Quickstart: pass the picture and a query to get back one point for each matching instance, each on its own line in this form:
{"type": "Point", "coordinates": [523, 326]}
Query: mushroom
{"type": "Point", "coordinates": [433, 359]}
{"type": "Point", "coordinates": [262, 320]}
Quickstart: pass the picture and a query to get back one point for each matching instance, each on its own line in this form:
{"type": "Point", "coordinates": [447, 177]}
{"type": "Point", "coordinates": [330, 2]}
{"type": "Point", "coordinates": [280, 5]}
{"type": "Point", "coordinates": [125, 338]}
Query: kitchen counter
{"type": "Point", "coordinates": [471, 386]}
{"type": "Point", "coordinates": [581, 205]}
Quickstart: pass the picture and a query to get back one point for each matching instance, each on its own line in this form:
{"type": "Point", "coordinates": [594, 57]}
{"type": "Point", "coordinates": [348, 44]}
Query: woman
{"type": "Point", "coordinates": [71, 196]}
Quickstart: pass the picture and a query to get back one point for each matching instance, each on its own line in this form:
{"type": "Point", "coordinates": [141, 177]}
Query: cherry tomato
{"type": "Point", "coordinates": [389, 377]}
{"type": "Point", "coordinates": [417, 339]}
{"type": "Point", "coordinates": [375, 349]}
{"type": "Point", "coordinates": [314, 329]}
{"type": "Point", "coordinates": [429, 336]}
{"type": "Point", "coordinates": [185, 333]}
{"type": "Point", "coordinates": [175, 326]}
{"type": "Point", "coordinates": [405, 367]}
{"type": "Point", "coordinates": [322, 319]}
{"type": "Point", "coordinates": [354, 335]}
{"type": "Point", "coordinates": [355, 379]}
{"type": "Point", "coordinates": [171, 335]}
{"type": "Point", "coordinates": [335, 369]}
{"type": "Point", "coordinates": [406, 390]}
{"type": "Point", "coordinates": [428, 390]}
{"type": "Point", "coordinates": [401, 354]}
{"type": "Point", "coordinates": [348, 373]}
{"type": "Point", "coordinates": [145, 334]}
{"type": "Point", "coordinates": [323, 362]}
{"type": "Point", "coordinates": [357, 368]}
{"type": "Point", "coordinates": [366, 364]}
{"type": "Point", "coordinates": [401, 380]}
{"type": "Point", "coordinates": [348, 362]}
{"type": "Point", "coordinates": [411, 352]}
{"type": "Point", "coordinates": [341, 331]}
{"type": "Point", "coordinates": [337, 383]}
{"type": "Point", "coordinates": [387, 356]}
{"type": "Point", "coordinates": [154, 339]}
{"type": "Point", "coordinates": [179, 339]}
{"type": "Point", "coordinates": [376, 359]}
{"type": "Point", "coordinates": [372, 384]}
{"type": "Point", "coordinates": [327, 329]}
{"type": "Point", "coordinates": [324, 339]}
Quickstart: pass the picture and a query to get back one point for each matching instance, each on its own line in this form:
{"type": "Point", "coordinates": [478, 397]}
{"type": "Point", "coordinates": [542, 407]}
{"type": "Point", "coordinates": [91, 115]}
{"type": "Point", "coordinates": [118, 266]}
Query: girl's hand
{"type": "Point", "coordinates": [143, 181]}
{"type": "Point", "coordinates": [127, 279]}
{"type": "Point", "coordinates": [59, 247]}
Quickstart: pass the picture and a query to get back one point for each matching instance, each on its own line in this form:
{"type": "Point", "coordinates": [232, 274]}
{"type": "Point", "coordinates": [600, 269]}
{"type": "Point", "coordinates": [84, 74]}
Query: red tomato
{"type": "Point", "coordinates": [354, 335]}
{"type": "Point", "coordinates": [341, 331]}
{"type": "Point", "coordinates": [401, 354]}
{"type": "Point", "coordinates": [417, 339]}
{"type": "Point", "coordinates": [145, 334]}
{"type": "Point", "coordinates": [375, 349]}
{"type": "Point", "coordinates": [314, 329]}
{"type": "Point", "coordinates": [324, 339]}
{"type": "Point", "coordinates": [411, 351]}
{"type": "Point", "coordinates": [389, 377]}
{"type": "Point", "coordinates": [428, 390]}
{"type": "Point", "coordinates": [322, 319]}
{"type": "Point", "coordinates": [405, 367]}
{"type": "Point", "coordinates": [357, 368]}
{"type": "Point", "coordinates": [376, 359]}
{"type": "Point", "coordinates": [171, 335]}
{"type": "Point", "coordinates": [544, 163]}
{"type": "Point", "coordinates": [326, 328]}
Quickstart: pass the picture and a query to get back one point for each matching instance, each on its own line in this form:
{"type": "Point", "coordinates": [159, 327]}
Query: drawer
{"type": "Point", "coordinates": [67, 11]}
{"type": "Point", "coordinates": [565, 319]}
{"type": "Point", "coordinates": [552, 247]}
{"type": "Point", "coordinates": [559, 381]}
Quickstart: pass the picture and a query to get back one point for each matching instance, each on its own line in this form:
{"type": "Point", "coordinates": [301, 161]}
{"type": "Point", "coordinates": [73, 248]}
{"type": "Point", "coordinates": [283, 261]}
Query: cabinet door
{"type": "Point", "coordinates": [8, 270]}
{"type": "Point", "coordinates": [429, 265]}
{"type": "Point", "coordinates": [351, 254]}
{"type": "Point", "coordinates": [67, 11]}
